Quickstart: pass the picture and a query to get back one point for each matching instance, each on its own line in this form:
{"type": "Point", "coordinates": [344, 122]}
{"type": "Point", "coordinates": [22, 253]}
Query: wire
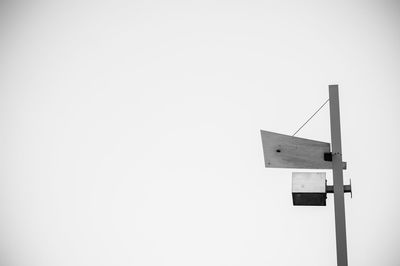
{"type": "Point", "coordinates": [310, 118]}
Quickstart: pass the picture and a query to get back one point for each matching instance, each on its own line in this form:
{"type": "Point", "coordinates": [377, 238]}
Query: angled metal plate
{"type": "Point", "coordinates": [283, 151]}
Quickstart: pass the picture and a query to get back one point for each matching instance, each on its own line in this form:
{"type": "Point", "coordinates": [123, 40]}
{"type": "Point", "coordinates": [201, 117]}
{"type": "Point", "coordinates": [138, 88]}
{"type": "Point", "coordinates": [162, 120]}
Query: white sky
{"type": "Point", "coordinates": [130, 130]}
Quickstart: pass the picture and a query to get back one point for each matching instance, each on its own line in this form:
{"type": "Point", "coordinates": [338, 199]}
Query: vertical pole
{"type": "Point", "coordinates": [337, 169]}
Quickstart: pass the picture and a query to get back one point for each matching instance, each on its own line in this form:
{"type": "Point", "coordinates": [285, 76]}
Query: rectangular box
{"type": "Point", "coordinates": [309, 189]}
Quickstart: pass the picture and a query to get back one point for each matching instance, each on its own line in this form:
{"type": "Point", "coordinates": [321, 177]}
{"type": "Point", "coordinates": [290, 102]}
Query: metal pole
{"type": "Point", "coordinates": [337, 169]}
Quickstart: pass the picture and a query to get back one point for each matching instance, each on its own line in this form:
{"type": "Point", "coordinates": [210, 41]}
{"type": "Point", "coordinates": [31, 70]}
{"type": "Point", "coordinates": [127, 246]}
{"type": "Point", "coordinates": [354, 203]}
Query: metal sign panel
{"type": "Point", "coordinates": [283, 151]}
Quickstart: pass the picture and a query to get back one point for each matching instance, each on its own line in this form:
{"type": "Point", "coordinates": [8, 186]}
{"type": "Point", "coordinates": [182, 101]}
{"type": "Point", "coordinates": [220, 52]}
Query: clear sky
{"type": "Point", "coordinates": [130, 131]}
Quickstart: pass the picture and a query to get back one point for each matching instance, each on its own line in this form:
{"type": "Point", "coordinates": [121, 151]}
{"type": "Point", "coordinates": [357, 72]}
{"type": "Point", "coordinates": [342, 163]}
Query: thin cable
{"type": "Point", "coordinates": [310, 118]}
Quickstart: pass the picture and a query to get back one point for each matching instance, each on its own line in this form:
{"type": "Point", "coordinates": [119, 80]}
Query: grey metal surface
{"type": "Point", "coordinates": [308, 182]}
{"type": "Point", "coordinates": [309, 189]}
{"type": "Point", "coordinates": [283, 151]}
{"type": "Point", "coordinates": [347, 189]}
{"type": "Point", "coordinates": [309, 199]}
{"type": "Point", "coordinates": [340, 219]}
